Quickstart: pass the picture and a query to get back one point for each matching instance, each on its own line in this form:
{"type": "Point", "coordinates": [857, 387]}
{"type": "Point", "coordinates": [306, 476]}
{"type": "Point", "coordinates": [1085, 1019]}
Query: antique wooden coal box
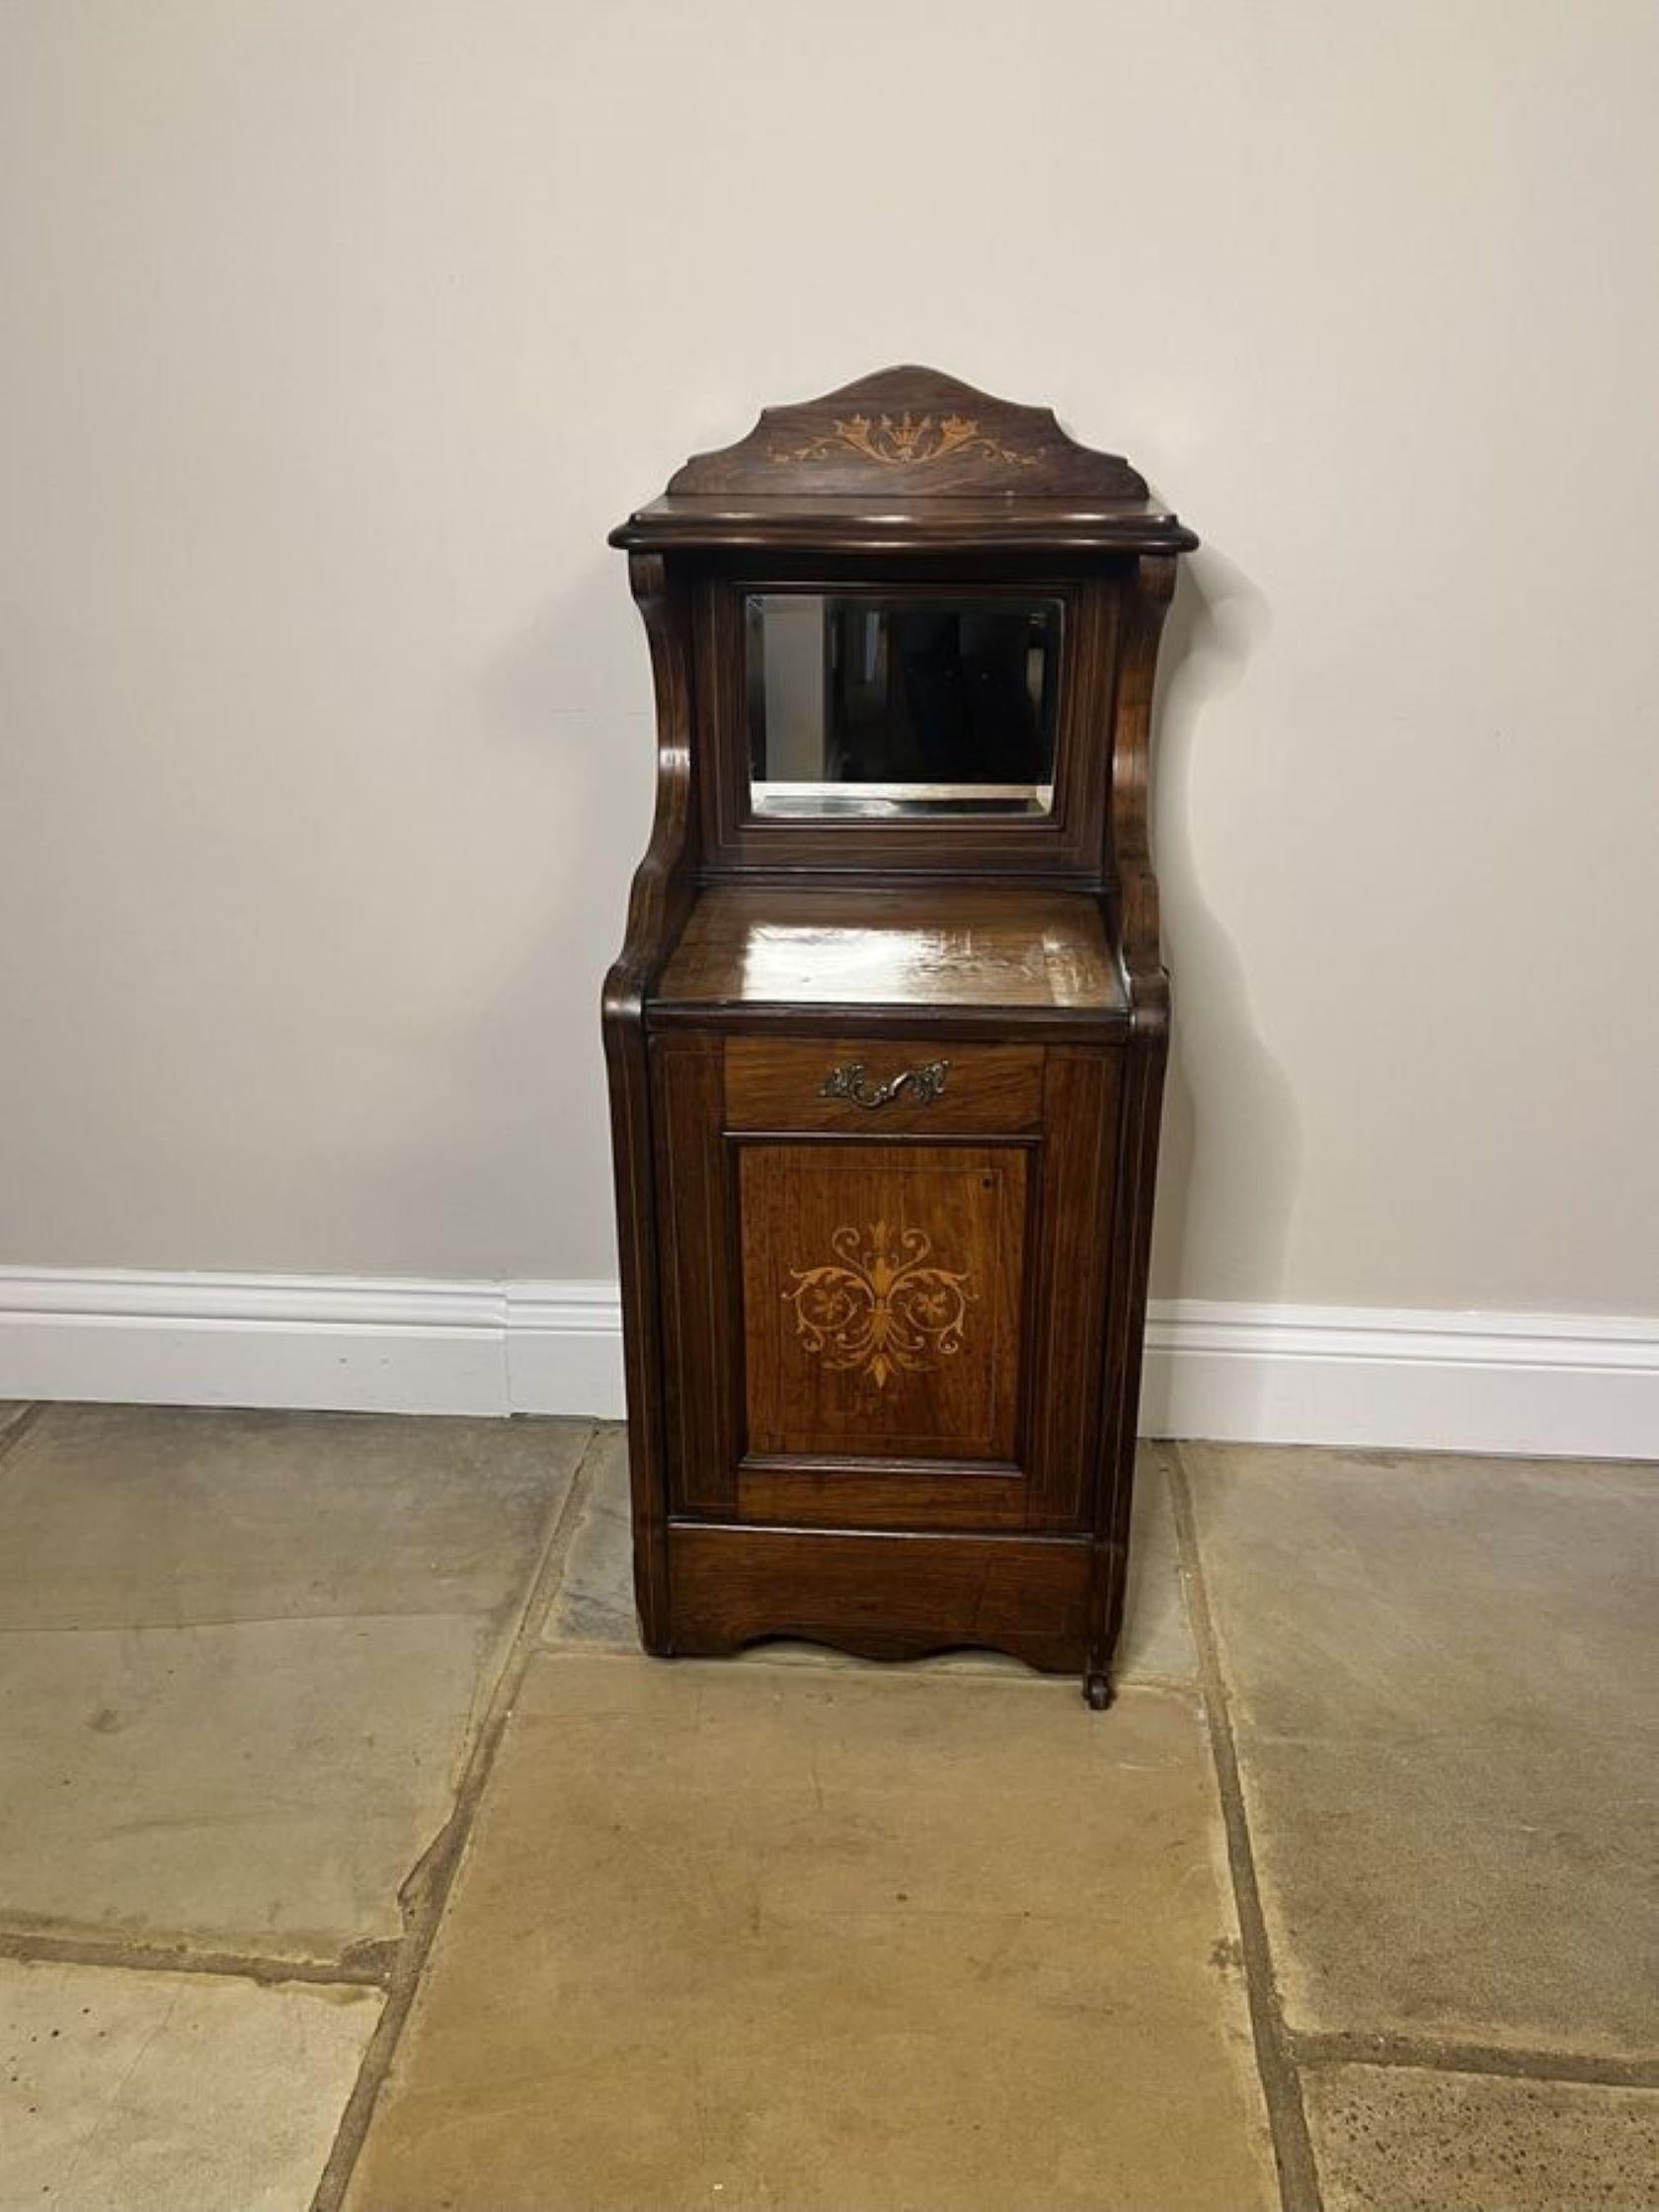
{"type": "Point", "coordinates": [887, 1037]}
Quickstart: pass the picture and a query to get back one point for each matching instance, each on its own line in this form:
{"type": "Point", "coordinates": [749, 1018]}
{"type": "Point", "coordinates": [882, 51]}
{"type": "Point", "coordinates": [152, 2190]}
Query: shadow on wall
{"type": "Point", "coordinates": [1232, 1143]}
{"type": "Point", "coordinates": [485, 1153]}
{"type": "Point", "coordinates": [572, 692]}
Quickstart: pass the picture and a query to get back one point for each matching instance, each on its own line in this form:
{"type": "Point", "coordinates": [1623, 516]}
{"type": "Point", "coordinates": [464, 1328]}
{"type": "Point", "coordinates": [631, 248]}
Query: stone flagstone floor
{"type": "Point", "coordinates": [350, 1854]}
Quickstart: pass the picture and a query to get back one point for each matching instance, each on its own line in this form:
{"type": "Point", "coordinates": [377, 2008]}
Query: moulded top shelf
{"type": "Point", "coordinates": [897, 525]}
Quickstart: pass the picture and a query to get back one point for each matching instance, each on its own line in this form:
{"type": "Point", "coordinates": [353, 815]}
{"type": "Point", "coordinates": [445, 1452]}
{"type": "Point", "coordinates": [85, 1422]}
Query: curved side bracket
{"type": "Point", "coordinates": [663, 881]}
{"type": "Point", "coordinates": [1150, 589]}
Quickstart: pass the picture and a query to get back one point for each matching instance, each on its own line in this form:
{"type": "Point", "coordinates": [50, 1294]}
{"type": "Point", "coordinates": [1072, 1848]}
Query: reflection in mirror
{"type": "Point", "coordinates": [900, 707]}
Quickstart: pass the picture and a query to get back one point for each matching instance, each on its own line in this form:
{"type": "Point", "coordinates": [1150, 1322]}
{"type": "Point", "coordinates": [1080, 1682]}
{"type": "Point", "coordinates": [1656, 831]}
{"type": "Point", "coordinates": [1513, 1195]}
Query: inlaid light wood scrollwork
{"type": "Point", "coordinates": [880, 1307]}
{"type": "Point", "coordinates": [906, 440]}
{"type": "Point", "coordinates": [915, 434]}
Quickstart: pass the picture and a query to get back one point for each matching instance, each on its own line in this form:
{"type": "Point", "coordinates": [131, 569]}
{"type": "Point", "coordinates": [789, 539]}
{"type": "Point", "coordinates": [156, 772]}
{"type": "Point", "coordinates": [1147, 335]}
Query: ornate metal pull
{"type": "Point", "coordinates": [848, 1081]}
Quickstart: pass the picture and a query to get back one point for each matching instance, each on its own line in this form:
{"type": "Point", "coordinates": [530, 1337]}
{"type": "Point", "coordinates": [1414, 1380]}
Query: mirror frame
{"type": "Point", "coordinates": [1064, 841]}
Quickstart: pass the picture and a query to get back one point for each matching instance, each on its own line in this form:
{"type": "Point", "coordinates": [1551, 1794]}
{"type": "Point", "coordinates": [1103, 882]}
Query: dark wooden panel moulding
{"type": "Point", "coordinates": [887, 1036]}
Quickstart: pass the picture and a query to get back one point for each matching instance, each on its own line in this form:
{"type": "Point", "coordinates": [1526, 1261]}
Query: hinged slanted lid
{"type": "Point", "coordinates": [908, 459]}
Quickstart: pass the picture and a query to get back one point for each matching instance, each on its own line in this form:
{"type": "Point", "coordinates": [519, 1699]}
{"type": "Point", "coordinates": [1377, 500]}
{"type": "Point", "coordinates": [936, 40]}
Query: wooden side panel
{"type": "Point", "coordinates": [1072, 1306]}
{"type": "Point", "coordinates": [698, 1262]}
{"type": "Point", "coordinates": [882, 1295]}
{"type": "Point", "coordinates": [920, 1087]}
{"type": "Point", "coordinates": [656, 907]}
{"type": "Point", "coordinates": [1135, 927]}
{"type": "Point", "coordinates": [1130, 1258]}
{"type": "Point", "coordinates": [886, 1596]}
{"type": "Point", "coordinates": [638, 1252]}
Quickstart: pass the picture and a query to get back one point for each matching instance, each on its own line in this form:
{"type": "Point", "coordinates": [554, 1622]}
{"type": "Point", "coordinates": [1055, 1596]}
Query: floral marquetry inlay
{"type": "Point", "coordinates": [906, 440]}
{"type": "Point", "coordinates": [880, 1306]}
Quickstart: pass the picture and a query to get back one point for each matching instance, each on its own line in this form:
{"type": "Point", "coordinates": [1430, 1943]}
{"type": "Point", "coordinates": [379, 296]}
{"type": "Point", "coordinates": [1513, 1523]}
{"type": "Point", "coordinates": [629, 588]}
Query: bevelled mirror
{"type": "Point", "coordinates": [867, 706]}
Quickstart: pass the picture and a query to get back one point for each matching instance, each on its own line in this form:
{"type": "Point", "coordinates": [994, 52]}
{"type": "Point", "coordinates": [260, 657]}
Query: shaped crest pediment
{"type": "Point", "coordinates": [911, 432]}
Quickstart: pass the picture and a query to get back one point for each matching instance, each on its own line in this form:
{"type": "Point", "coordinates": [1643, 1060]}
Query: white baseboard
{"type": "Point", "coordinates": [358, 1345]}
{"type": "Point", "coordinates": [1583, 1387]}
{"type": "Point", "coordinates": [1547, 1386]}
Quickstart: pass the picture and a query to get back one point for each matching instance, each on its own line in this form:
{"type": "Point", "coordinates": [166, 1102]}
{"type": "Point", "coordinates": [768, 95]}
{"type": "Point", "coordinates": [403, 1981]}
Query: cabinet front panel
{"type": "Point", "coordinates": [868, 1326]}
{"type": "Point", "coordinates": [882, 1299]}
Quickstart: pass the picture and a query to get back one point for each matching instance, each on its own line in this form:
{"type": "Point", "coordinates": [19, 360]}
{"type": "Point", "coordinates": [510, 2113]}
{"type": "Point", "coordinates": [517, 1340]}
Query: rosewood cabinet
{"type": "Point", "coordinates": [886, 1039]}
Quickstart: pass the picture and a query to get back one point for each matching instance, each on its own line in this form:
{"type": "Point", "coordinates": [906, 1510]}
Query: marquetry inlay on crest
{"type": "Point", "coordinates": [906, 440]}
{"type": "Point", "coordinates": [909, 432]}
{"type": "Point", "coordinates": [881, 1307]}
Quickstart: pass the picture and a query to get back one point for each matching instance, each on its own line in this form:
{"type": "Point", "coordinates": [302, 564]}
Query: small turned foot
{"type": "Point", "coordinates": [1097, 1689]}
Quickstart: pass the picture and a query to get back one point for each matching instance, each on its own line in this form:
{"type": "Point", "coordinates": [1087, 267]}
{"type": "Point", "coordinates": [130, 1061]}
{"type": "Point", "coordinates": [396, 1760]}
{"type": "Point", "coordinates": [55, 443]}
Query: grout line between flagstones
{"type": "Point", "coordinates": [1305, 2049]}
{"type": "Point", "coordinates": [1292, 2149]}
{"type": "Point", "coordinates": [366, 1963]}
{"type": "Point", "coordinates": [14, 1433]}
{"type": "Point", "coordinates": [365, 1966]}
{"type": "Point", "coordinates": [1444, 2054]}
{"type": "Point", "coordinates": [425, 1893]}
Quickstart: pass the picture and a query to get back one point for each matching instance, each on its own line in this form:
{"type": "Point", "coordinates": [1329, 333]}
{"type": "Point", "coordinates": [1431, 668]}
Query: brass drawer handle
{"type": "Point", "coordinates": [848, 1081]}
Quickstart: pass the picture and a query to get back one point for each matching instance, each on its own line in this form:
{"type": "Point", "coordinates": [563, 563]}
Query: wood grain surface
{"type": "Point", "coordinates": [882, 1299]}
{"type": "Point", "coordinates": [882, 1594]}
{"type": "Point", "coordinates": [941, 946]}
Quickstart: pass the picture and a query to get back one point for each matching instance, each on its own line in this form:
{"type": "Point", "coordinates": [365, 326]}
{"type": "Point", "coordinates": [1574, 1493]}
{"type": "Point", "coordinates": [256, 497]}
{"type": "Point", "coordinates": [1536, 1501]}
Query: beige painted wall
{"type": "Point", "coordinates": [339, 331]}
